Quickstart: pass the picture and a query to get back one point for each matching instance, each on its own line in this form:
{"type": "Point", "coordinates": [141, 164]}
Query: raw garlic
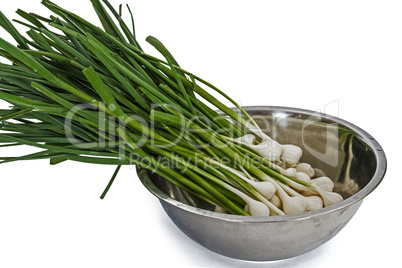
{"type": "Point", "coordinates": [291, 154]}
{"type": "Point", "coordinates": [305, 168]}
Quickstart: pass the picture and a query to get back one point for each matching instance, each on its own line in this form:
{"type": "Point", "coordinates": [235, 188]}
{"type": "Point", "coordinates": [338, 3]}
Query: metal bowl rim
{"type": "Point", "coordinates": [359, 196]}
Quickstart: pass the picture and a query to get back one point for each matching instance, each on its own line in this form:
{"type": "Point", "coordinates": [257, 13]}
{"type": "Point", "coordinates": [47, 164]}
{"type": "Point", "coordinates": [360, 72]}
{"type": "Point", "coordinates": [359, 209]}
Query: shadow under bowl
{"type": "Point", "coordinates": [347, 154]}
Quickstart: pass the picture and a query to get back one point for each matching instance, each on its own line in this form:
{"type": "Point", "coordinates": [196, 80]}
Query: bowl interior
{"type": "Point", "coordinates": [340, 150]}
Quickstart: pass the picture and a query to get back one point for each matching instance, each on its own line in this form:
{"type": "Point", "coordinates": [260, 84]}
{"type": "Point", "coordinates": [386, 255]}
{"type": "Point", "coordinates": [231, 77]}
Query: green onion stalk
{"type": "Point", "coordinates": [91, 94]}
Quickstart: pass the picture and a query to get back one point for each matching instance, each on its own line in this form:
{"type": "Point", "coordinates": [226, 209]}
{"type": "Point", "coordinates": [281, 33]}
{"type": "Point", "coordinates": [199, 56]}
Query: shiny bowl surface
{"type": "Point", "coordinates": [343, 151]}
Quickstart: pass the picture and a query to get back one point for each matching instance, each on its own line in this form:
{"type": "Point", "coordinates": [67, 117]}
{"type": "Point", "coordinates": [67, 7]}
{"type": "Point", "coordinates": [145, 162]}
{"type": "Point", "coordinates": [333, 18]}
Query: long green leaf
{"type": "Point", "coordinates": [15, 114]}
{"type": "Point", "coordinates": [110, 182]}
{"type": "Point", "coordinates": [107, 22]}
{"type": "Point", "coordinates": [8, 26]}
{"type": "Point", "coordinates": [103, 90]}
{"type": "Point", "coordinates": [30, 18]}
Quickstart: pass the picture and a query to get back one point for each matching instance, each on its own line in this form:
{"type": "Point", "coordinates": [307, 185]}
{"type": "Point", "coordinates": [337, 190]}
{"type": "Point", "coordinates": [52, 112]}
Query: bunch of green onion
{"type": "Point", "coordinates": [79, 92]}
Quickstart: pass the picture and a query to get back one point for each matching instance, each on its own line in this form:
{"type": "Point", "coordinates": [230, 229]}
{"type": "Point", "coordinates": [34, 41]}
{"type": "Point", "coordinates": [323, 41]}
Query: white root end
{"type": "Point", "coordinates": [257, 208]}
{"type": "Point", "coordinates": [220, 209]}
{"type": "Point", "coordinates": [303, 177]}
{"type": "Point", "coordinates": [330, 198]}
{"type": "Point", "coordinates": [246, 139]}
{"type": "Point", "coordinates": [246, 209]}
{"type": "Point", "coordinates": [324, 183]}
{"type": "Point", "coordinates": [290, 172]}
{"type": "Point", "coordinates": [291, 154]}
{"type": "Point", "coordinates": [268, 149]}
{"type": "Point", "coordinates": [257, 131]}
{"type": "Point", "coordinates": [305, 168]}
{"type": "Point", "coordinates": [276, 201]}
{"type": "Point", "coordinates": [294, 204]}
{"type": "Point", "coordinates": [314, 202]}
{"type": "Point", "coordinates": [265, 188]}
{"type": "Point", "coordinates": [290, 204]}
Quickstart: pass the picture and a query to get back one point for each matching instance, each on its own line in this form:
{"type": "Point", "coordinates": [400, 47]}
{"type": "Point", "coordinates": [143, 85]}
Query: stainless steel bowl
{"type": "Point", "coordinates": [344, 152]}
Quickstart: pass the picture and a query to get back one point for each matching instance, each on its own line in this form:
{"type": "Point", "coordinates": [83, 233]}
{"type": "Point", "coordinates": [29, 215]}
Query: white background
{"type": "Point", "coordinates": [342, 57]}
